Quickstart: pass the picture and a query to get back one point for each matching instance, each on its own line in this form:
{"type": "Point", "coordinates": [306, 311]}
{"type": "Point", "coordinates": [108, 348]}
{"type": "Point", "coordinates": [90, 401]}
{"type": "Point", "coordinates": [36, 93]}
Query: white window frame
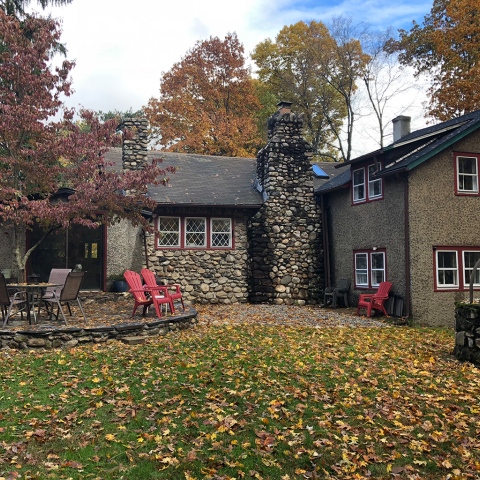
{"type": "Point", "coordinates": [465, 283]}
{"type": "Point", "coordinates": [354, 186]}
{"type": "Point", "coordinates": [159, 238]}
{"type": "Point", "coordinates": [366, 285]}
{"type": "Point", "coordinates": [371, 184]}
{"type": "Point", "coordinates": [462, 190]}
{"type": "Point", "coordinates": [187, 246]}
{"type": "Point", "coordinates": [377, 269]}
{"type": "Point", "coordinates": [229, 232]}
{"type": "Point", "coordinates": [447, 285]}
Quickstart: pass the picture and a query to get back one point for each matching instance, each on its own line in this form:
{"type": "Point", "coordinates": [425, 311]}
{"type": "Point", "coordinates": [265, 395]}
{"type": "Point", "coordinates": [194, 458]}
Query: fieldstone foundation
{"type": "Point", "coordinates": [285, 235]}
{"type": "Point", "coordinates": [467, 332]}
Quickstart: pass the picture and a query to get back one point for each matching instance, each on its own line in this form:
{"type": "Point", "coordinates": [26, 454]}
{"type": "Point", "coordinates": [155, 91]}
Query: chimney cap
{"type": "Point", "coordinates": [285, 106]}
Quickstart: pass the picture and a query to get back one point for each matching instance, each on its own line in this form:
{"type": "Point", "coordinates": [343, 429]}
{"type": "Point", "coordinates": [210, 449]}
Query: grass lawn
{"type": "Point", "coordinates": [244, 402]}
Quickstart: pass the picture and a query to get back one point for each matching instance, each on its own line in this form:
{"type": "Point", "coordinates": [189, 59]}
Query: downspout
{"type": "Point", "coordinates": [407, 245]}
{"type": "Point", "coordinates": [326, 250]}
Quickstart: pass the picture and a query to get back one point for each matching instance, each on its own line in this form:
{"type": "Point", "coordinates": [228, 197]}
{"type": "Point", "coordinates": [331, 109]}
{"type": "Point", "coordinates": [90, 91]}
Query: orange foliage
{"type": "Point", "coordinates": [207, 102]}
{"type": "Point", "coordinates": [447, 48]}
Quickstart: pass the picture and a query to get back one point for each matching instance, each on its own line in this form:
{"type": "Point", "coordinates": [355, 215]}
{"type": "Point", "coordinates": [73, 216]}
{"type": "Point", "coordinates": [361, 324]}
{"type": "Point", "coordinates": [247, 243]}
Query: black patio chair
{"type": "Point", "coordinates": [68, 293]}
{"type": "Point", "coordinates": [10, 301]}
{"type": "Point", "coordinates": [333, 293]}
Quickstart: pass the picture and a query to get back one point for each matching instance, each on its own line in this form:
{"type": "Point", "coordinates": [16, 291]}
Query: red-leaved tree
{"type": "Point", "coordinates": [38, 155]}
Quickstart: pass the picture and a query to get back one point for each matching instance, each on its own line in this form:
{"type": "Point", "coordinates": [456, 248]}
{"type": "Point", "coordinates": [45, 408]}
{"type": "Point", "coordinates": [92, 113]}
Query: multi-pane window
{"type": "Point", "coordinates": [454, 267]}
{"type": "Point", "coordinates": [359, 185]}
{"type": "Point", "coordinates": [365, 187]}
{"type": "Point", "coordinates": [447, 269]}
{"type": "Point", "coordinates": [370, 268]}
{"type": "Point", "coordinates": [374, 185]}
{"type": "Point", "coordinates": [194, 232]}
{"type": "Point", "coordinates": [221, 232]}
{"type": "Point", "coordinates": [377, 268]}
{"type": "Point", "coordinates": [169, 232]}
{"type": "Point", "coordinates": [467, 175]}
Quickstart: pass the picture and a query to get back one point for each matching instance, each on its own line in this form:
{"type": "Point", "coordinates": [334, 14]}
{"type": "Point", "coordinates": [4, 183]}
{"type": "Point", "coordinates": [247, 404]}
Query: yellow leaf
{"type": "Point", "coordinates": [110, 437]}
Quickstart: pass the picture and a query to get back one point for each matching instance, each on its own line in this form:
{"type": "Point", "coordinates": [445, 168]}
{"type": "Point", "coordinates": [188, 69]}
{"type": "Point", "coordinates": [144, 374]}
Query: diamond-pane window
{"type": "Point", "coordinates": [221, 232]}
{"type": "Point", "coordinates": [195, 232]}
{"type": "Point", "coordinates": [169, 232]}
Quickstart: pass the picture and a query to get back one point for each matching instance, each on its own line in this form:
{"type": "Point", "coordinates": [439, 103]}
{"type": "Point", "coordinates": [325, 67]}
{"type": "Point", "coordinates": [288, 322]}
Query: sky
{"type": "Point", "coordinates": [122, 47]}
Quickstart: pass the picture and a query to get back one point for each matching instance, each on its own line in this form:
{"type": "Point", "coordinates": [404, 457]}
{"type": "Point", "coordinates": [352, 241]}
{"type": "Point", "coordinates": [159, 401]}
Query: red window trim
{"type": "Point", "coordinates": [183, 232]}
{"type": "Point", "coordinates": [369, 251]}
{"type": "Point", "coordinates": [367, 196]}
{"type": "Point", "coordinates": [455, 174]}
{"type": "Point", "coordinates": [461, 284]}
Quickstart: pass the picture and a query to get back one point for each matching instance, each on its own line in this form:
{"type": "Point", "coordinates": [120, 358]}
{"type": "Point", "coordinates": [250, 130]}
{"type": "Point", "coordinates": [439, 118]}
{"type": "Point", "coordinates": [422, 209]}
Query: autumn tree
{"type": "Point", "coordinates": [17, 7]}
{"type": "Point", "coordinates": [207, 102]}
{"type": "Point", "coordinates": [317, 68]}
{"type": "Point", "coordinates": [446, 48]}
{"type": "Point", "coordinates": [38, 156]}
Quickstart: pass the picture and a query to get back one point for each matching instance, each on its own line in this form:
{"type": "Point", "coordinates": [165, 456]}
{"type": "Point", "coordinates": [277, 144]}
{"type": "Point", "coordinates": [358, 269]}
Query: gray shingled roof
{"type": "Point", "coordinates": [203, 179]}
{"type": "Point", "coordinates": [412, 149]}
{"type": "Point", "coordinates": [329, 169]}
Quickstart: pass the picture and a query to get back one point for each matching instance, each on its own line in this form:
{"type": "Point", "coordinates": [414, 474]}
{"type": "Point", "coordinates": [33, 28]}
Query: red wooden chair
{"type": "Point", "coordinates": [174, 296]}
{"type": "Point", "coordinates": [376, 300]}
{"type": "Point", "coordinates": [159, 293]}
{"type": "Point", "coordinates": [136, 289]}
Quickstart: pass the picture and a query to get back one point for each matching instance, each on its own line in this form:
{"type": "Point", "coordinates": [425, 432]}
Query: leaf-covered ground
{"type": "Point", "coordinates": [244, 401]}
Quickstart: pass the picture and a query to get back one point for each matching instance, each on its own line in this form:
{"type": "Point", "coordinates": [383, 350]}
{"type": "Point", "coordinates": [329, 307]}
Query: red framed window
{"type": "Point", "coordinates": [453, 267]}
{"type": "Point", "coordinates": [466, 173]}
{"type": "Point", "coordinates": [365, 187]}
{"type": "Point", "coordinates": [370, 268]}
{"type": "Point", "coordinates": [194, 232]}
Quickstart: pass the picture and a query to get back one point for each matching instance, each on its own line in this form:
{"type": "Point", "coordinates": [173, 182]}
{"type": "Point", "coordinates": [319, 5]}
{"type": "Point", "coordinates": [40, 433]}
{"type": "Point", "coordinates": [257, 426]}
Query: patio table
{"type": "Point", "coordinates": [32, 289]}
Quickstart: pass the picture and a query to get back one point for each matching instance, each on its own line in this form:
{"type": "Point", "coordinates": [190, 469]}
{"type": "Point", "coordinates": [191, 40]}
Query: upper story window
{"type": "Point", "coordinates": [466, 173]}
{"type": "Point", "coordinates": [365, 187]}
{"type": "Point", "coordinates": [194, 232]}
{"type": "Point", "coordinates": [370, 268]}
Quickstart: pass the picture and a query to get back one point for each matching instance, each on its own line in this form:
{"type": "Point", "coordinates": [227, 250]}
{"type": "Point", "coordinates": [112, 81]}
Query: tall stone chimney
{"type": "Point", "coordinates": [285, 234]}
{"type": "Point", "coordinates": [134, 151]}
{"type": "Point", "coordinates": [401, 127]}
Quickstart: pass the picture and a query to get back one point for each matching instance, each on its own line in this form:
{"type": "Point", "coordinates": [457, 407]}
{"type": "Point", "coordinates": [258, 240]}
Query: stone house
{"type": "Point", "coordinates": [230, 229]}
{"type": "Point", "coordinates": [408, 214]}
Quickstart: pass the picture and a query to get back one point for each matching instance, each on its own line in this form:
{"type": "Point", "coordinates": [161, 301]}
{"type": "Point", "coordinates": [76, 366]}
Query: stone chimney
{"type": "Point", "coordinates": [285, 234]}
{"type": "Point", "coordinates": [134, 151]}
{"type": "Point", "coordinates": [401, 127]}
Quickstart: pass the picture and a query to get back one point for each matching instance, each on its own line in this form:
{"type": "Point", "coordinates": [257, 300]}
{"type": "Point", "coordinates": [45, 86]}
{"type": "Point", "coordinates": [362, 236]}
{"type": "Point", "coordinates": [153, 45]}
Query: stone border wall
{"type": "Point", "coordinates": [467, 332]}
{"type": "Point", "coordinates": [73, 337]}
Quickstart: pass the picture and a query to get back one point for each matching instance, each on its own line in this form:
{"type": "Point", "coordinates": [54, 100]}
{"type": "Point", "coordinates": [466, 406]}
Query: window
{"type": "Point", "coordinates": [169, 232]}
{"type": "Point", "coordinates": [370, 268]}
{"type": "Point", "coordinates": [466, 172]}
{"type": "Point", "coordinates": [359, 185]}
{"type": "Point", "coordinates": [454, 266]}
{"type": "Point", "coordinates": [365, 187]}
{"type": "Point", "coordinates": [374, 185]}
{"type": "Point", "coordinates": [194, 232]}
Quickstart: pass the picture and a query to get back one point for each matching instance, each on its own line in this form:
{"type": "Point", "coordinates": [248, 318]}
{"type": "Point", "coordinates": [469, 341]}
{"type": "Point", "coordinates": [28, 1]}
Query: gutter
{"type": "Point", "coordinates": [407, 245]}
{"type": "Point", "coordinates": [232, 205]}
{"type": "Point", "coordinates": [326, 249]}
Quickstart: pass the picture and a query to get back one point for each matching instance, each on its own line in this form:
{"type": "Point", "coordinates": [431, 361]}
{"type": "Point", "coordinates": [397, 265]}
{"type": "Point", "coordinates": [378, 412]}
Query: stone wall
{"type": "Point", "coordinates": [206, 276]}
{"type": "Point", "coordinates": [285, 235]}
{"type": "Point", "coordinates": [467, 332]}
{"type": "Point", "coordinates": [134, 151]}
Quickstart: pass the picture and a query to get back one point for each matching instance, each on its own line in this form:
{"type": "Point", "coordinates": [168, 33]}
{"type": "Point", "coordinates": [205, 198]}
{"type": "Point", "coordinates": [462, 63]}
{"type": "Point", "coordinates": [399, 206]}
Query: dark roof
{"type": "Point", "coordinates": [341, 179]}
{"type": "Point", "coordinates": [329, 169]}
{"type": "Point", "coordinates": [412, 149]}
{"type": "Point", "coordinates": [202, 179]}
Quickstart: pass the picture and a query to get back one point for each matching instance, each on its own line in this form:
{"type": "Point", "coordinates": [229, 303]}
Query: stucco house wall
{"type": "Point", "coordinates": [364, 226]}
{"type": "Point", "coordinates": [124, 249]}
{"type": "Point", "coordinates": [7, 249]}
{"type": "Point", "coordinates": [438, 217]}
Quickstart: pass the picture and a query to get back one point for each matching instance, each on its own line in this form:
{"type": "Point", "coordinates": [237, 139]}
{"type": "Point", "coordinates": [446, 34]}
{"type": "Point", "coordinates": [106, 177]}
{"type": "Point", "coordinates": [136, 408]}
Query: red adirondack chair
{"type": "Point", "coordinates": [159, 293]}
{"type": "Point", "coordinates": [175, 296]}
{"type": "Point", "coordinates": [136, 289]}
{"type": "Point", "coordinates": [376, 300]}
